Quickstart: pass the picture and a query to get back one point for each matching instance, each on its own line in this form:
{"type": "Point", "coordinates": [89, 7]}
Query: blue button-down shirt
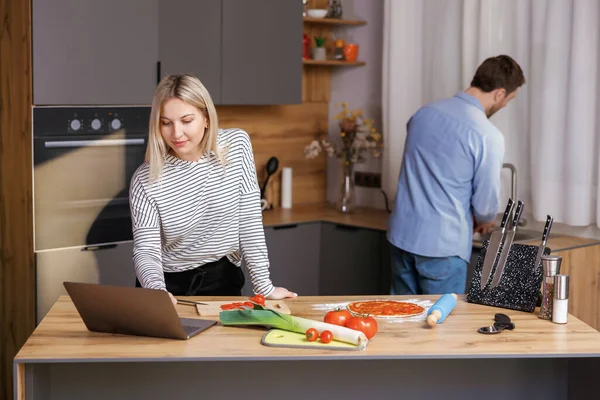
{"type": "Point", "coordinates": [450, 172]}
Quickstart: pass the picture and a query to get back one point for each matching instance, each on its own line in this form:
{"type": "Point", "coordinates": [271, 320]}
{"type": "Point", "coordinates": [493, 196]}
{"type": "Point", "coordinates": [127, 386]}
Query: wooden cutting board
{"type": "Point", "coordinates": [213, 308]}
{"type": "Point", "coordinates": [281, 338]}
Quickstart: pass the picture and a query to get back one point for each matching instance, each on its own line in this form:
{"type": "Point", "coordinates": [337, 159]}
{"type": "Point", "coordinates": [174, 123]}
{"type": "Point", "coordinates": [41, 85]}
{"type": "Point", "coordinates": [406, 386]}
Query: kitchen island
{"type": "Point", "coordinates": [537, 360]}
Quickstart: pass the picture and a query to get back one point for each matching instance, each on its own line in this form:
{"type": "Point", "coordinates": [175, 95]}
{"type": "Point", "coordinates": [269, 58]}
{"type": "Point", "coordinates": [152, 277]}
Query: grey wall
{"type": "Point", "coordinates": [360, 87]}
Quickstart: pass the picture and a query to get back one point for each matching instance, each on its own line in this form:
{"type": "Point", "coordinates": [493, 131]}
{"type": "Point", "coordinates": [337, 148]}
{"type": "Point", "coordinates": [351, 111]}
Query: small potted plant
{"type": "Point", "coordinates": [319, 52]}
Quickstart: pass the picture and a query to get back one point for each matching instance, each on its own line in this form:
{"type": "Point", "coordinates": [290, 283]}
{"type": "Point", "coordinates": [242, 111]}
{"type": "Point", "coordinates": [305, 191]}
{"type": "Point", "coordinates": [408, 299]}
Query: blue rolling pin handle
{"type": "Point", "coordinates": [441, 308]}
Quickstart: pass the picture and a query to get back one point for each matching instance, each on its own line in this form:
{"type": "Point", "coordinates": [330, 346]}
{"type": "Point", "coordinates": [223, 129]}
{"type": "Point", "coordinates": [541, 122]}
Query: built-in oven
{"type": "Point", "coordinates": [84, 158]}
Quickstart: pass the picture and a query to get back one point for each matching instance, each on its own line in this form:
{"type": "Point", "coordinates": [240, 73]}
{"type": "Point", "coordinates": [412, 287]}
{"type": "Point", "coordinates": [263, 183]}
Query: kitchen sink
{"type": "Point", "coordinates": [522, 235]}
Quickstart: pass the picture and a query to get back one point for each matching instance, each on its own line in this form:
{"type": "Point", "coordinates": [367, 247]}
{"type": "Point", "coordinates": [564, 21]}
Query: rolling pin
{"type": "Point", "coordinates": [440, 310]}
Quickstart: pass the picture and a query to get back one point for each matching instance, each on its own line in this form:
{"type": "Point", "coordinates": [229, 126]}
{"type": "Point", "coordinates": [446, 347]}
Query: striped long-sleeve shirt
{"type": "Point", "coordinates": [198, 212]}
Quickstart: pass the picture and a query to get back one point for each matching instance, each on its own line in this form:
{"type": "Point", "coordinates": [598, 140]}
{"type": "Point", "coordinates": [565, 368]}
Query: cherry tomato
{"type": "Point", "coordinates": [338, 317]}
{"type": "Point", "coordinates": [326, 336]}
{"type": "Point", "coordinates": [312, 334]}
{"type": "Point", "coordinates": [365, 324]}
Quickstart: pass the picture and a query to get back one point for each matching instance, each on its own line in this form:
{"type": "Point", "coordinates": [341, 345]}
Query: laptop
{"type": "Point", "coordinates": [132, 311]}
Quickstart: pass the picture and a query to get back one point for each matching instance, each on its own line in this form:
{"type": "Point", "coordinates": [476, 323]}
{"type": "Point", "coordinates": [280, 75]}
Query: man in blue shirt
{"type": "Point", "coordinates": [449, 182]}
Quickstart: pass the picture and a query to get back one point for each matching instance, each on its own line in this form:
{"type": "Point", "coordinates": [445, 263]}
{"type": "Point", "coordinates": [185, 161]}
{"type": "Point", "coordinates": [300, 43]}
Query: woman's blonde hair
{"type": "Point", "coordinates": [190, 90]}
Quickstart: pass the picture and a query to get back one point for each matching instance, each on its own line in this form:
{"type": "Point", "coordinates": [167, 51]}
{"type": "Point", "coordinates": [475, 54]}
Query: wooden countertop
{"type": "Point", "coordinates": [371, 218]}
{"type": "Point", "coordinates": [62, 337]}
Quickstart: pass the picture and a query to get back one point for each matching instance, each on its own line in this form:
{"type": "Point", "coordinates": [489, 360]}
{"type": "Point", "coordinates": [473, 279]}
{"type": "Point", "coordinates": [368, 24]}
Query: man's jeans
{"type": "Point", "coordinates": [414, 274]}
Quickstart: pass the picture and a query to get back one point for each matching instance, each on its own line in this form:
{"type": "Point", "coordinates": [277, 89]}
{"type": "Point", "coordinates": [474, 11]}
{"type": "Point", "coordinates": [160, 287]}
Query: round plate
{"type": "Point", "coordinates": [387, 316]}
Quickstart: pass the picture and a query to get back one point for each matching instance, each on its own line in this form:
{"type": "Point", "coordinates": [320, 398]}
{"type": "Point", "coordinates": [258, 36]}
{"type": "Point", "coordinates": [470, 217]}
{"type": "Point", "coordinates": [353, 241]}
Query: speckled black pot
{"type": "Point", "coordinates": [520, 284]}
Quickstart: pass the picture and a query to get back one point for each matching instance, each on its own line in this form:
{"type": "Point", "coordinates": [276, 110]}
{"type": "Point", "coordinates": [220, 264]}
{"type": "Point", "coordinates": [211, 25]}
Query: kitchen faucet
{"type": "Point", "coordinates": [513, 186]}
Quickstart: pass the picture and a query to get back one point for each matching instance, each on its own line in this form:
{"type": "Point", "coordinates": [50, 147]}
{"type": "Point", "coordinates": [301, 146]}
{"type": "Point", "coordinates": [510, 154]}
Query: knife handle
{"type": "Point", "coordinates": [547, 228]}
{"type": "Point", "coordinates": [517, 216]}
{"type": "Point", "coordinates": [507, 212]}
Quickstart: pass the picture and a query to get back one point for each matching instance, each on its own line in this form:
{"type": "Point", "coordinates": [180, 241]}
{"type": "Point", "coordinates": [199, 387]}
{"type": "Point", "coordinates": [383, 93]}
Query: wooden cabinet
{"type": "Point", "coordinates": [103, 52]}
{"type": "Point", "coordinates": [582, 264]}
{"type": "Point", "coordinates": [351, 260]}
{"type": "Point", "coordinates": [94, 52]}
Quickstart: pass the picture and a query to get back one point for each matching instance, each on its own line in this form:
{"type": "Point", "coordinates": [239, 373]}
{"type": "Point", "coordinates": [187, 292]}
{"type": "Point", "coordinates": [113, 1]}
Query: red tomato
{"type": "Point", "coordinates": [338, 317]}
{"type": "Point", "coordinates": [312, 334]}
{"type": "Point", "coordinates": [326, 336]}
{"type": "Point", "coordinates": [366, 325]}
{"type": "Point", "coordinates": [258, 299]}
{"type": "Point", "coordinates": [249, 304]}
{"type": "Point", "coordinates": [226, 307]}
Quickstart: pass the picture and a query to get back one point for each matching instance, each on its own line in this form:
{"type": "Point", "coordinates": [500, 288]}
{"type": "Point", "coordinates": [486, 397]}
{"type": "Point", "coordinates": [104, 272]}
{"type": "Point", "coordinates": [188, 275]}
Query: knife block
{"type": "Point", "coordinates": [520, 284]}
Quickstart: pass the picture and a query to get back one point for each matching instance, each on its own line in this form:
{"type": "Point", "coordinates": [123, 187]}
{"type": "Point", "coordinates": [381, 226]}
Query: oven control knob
{"type": "Point", "coordinates": [115, 124]}
{"type": "Point", "coordinates": [96, 124]}
{"type": "Point", "coordinates": [75, 124]}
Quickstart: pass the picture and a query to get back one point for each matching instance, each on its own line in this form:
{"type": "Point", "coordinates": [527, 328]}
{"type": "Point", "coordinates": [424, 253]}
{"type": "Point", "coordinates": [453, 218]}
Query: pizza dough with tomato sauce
{"type": "Point", "coordinates": [386, 308]}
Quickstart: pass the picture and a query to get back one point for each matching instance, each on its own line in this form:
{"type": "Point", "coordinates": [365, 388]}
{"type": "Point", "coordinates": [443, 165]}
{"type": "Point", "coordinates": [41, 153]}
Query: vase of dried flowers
{"type": "Point", "coordinates": [346, 203]}
{"type": "Point", "coordinates": [357, 138]}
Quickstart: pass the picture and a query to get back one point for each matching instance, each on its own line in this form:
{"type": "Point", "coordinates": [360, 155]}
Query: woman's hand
{"type": "Point", "coordinates": [173, 299]}
{"type": "Point", "coordinates": [281, 293]}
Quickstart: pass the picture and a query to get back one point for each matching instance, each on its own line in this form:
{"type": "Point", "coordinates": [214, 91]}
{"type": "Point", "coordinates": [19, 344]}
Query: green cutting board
{"type": "Point", "coordinates": [281, 338]}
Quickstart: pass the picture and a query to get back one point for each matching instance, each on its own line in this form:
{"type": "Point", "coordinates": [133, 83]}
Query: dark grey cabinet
{"type": "Point", "coordinates": [326, 259]}
{"type": "Point", "coordinates": [471, 267]}
{"type": "Point", "coordinates": [294, 258]}
{"type": "Point", "coordinates": [94, 52]}
{"type": "Point", "coordinates": [262, 52]}
{"type": "Point", "coordinates": [103, 52]}
{"type": "Point", "coordinates": [351, 260]}
{"type": "Point", "coordinates": [386, 264]}
{"type": "Point", "coordinates": [190, 41]}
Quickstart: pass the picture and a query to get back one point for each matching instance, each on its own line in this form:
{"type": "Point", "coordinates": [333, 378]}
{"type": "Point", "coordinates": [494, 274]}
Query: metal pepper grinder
{"type": "Point", "coordinates": [551, 267]}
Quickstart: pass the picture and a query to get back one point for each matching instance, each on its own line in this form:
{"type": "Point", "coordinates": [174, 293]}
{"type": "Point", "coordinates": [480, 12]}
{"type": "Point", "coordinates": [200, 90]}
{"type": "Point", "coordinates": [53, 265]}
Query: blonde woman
{"type": "Point", "coordinates": [195, 202]}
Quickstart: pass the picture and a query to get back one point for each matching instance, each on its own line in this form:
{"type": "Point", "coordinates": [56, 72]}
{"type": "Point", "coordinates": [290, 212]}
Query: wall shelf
{"type": "Point", "coordinates": [333, 21]}
{"type": "Point", "coordinates": [334, 63]}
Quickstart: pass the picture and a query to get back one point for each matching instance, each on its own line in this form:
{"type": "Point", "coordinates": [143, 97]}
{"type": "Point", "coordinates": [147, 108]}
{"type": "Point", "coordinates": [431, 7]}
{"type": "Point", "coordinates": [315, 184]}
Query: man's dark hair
{"type": "Point", "coordinates": [498, 72]}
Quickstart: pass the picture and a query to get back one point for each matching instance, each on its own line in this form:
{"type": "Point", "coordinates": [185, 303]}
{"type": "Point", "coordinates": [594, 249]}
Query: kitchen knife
{"type": "Point", "coordinates": [510, 236]}
{"type": "Point", "coordinates": [495, 241]}
{"type": "Point", "coordinates": [545, 235]}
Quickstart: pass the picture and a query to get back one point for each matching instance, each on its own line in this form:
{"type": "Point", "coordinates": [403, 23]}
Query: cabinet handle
{"type": "Point", "coordinates": [291, 226]}
{"type": "Point", "coordinates": [99, 247]}
{"type": "Point", "coordinates": [346, 227]}
{"type": "Point", "coordinates": [157, 72]}
{"type": "Point", "coordinates": [92, 143]}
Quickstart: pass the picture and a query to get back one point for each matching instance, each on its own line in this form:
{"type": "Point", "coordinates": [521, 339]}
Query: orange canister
{"type": "Point", "coordinates": [351, 51]}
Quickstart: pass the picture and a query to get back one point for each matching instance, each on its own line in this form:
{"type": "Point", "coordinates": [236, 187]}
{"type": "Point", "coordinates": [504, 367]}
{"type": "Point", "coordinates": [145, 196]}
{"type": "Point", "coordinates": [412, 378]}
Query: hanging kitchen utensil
{"type": "Point", "coordinates": [494, 246]}
{"type": "Point", "coordinates": [547, 227]}
{"type": "Point", "coordinates": [271, 168]}
{"type": "Point", "coordinates": [508, 241]}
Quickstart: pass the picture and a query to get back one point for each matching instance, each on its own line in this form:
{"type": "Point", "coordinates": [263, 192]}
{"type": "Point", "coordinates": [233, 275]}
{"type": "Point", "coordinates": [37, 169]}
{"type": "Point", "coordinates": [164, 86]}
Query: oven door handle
{"type": "Point", "coordinates": [97, 143]}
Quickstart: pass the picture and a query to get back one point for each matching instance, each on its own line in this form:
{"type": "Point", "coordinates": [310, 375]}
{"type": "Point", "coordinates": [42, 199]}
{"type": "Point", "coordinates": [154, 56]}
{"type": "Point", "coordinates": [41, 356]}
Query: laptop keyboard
{"type": "Point", "coordinates": [189, 329]}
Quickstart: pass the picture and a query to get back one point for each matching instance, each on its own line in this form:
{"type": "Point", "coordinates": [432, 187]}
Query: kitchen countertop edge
{"type": "Point", "coordinates": [376, 219]}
